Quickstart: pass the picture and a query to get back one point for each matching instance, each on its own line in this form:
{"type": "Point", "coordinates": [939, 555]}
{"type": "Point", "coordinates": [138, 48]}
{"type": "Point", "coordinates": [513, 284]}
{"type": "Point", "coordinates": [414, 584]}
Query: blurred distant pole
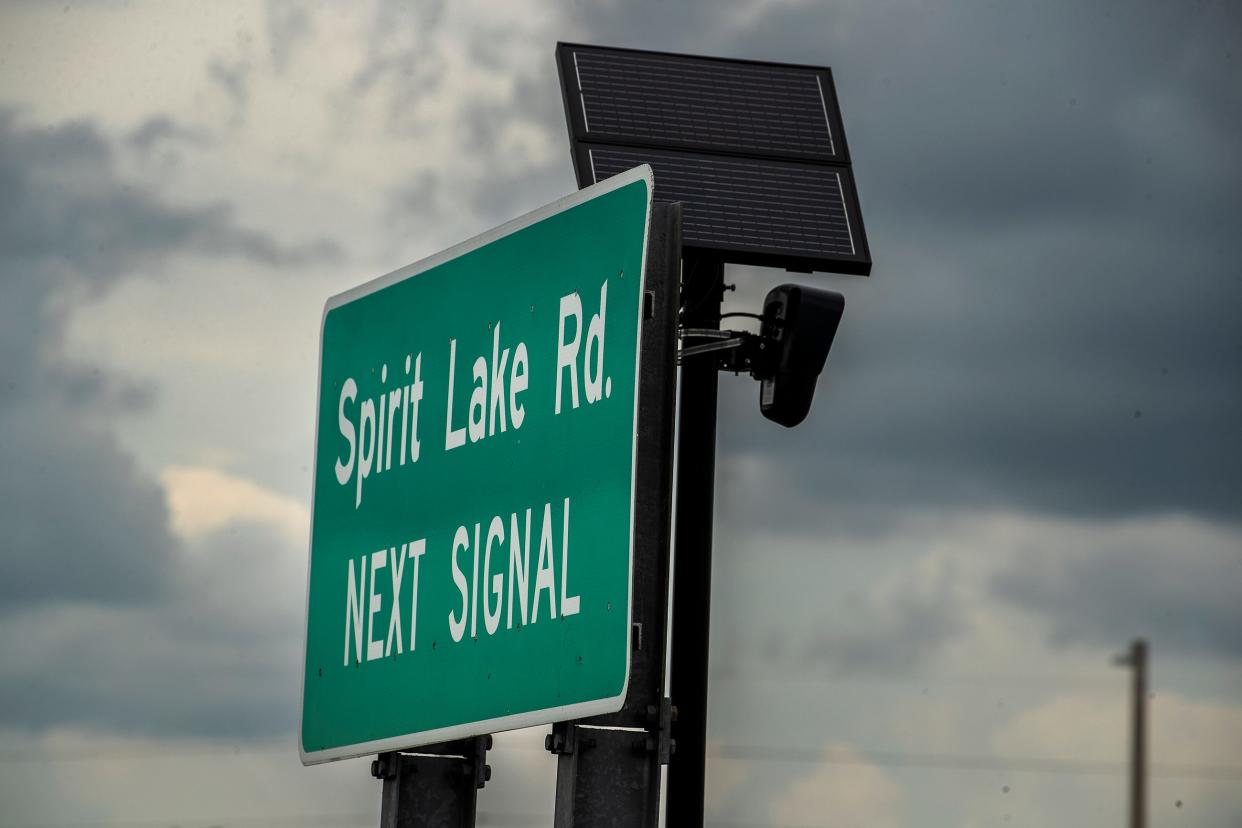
{"type": "Point", "coordinates": [1136, 660]}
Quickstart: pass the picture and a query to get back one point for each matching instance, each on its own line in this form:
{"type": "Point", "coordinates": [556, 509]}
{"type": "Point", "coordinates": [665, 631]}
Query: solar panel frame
{"type": "Point", "coordinates": [580, 128]}
{"type": "Point", "coordinates": [750, 146]}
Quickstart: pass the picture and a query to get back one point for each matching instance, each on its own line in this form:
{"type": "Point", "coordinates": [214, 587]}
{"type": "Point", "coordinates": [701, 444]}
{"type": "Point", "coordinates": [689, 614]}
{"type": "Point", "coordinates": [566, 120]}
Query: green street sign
{"type": "Point", "coordinates": [473, 506]}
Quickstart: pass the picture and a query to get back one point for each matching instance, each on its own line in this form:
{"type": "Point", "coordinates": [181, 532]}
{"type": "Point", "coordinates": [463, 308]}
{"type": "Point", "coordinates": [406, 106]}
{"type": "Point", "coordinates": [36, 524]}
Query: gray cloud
{"type": "Point", "coordinates": [498, 186]}
{"type": "Point", "coordinates": [289, 23]}
{"type": "Point", "coordinates": [70, 216]}
{"type": "Point", "coordinates": [896, 631]}
{"type": "Point", "coordinates": [233, 80]}
{"type": "Point", "coordinates": [398, 39]}
{"type": "Point", "coordinates": [837, 604]}
{"type": "Point", "coordinates": [418, 198]}
{"type": "Point", "coordinates": [216, 656]}
{"type": "Point", "coordinates": [704, 27]}
{"type": "Point", "coordinates": [82, 521]}
{"type": "Point", "coordinates": [1180, 591]}
{"type": "Point", "coordinates": [161, 129]}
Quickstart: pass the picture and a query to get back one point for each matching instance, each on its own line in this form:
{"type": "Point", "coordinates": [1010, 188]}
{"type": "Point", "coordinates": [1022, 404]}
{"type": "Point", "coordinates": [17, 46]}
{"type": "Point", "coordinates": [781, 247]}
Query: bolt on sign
{"type": "Point", "coordinates": [472, 518]}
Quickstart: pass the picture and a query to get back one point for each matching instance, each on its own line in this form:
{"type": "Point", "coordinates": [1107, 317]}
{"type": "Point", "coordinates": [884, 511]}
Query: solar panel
{"type": "Point", "coordinates": [755, 151]}
{"type": "Point", "coordinates": [752, 206]}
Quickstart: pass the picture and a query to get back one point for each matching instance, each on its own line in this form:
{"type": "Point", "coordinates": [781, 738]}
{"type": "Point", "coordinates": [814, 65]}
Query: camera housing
{"type": "Point", "coordinates": [799, 325]}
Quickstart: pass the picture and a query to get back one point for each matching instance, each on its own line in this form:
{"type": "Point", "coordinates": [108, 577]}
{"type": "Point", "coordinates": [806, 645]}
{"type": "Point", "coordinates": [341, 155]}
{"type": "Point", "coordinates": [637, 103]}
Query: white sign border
{"type": "Point", "coordinates": [534, 717]}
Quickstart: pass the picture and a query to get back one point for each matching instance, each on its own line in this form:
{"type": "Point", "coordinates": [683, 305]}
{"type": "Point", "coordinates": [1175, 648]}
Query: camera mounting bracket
{"type": "Point", "coordinates": [737, 351]}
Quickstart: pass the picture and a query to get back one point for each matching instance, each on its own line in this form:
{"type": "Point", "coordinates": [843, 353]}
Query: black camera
{"type": "Point", "coordinates": [799, 324]}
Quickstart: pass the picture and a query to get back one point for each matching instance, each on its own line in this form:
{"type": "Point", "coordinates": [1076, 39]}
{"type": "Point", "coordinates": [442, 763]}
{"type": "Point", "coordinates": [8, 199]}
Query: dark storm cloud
{"type": "Point", "coordinates": [66, 212]}
{"type": "Point", "coordinates": [215, 656]}
{"type": "Point", "coordinates": [1051, 324]}
{"type": "Point", "coordinates": [81, 521]}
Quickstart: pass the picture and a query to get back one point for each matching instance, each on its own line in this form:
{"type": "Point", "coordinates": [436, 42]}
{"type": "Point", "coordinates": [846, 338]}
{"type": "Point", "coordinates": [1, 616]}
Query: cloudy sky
{"type": "Point", "coordinates": [1026, 449]}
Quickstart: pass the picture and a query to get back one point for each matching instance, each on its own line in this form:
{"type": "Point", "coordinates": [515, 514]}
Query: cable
{"type": "Point", "coordinates": [966, 762]}
{"type": "Point", "coordinates": [369, 818]}
{"type": "Point", "coordinates": [716, 823]}
{"type": "Point", "coordinates": [915, 680]}
{"type": "Point", "coordinates": [214, 822]}
{"type": "Point", "coordinates": [810, 756]}
{"type": "Point", "coordinates": [88, 753]}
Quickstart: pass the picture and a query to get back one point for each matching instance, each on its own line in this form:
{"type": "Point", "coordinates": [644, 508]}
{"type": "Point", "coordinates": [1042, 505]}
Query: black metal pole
{"type": "Point", "coordinates": [702, 288]}
{"type": "Point", "coordinates": [608, 770]}
{"type": "Point", "coordinates": [435, 786]}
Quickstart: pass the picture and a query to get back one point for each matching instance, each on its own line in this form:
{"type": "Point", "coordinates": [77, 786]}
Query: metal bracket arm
{"type": "Point", "coordinates": [740, 351]}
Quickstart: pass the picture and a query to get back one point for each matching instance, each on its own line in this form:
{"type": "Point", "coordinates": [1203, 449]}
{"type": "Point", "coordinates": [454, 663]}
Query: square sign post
{"type": "Point", "coordinates": [755, 152]}
{"type": "Point", "coordinates": [474, 484]}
